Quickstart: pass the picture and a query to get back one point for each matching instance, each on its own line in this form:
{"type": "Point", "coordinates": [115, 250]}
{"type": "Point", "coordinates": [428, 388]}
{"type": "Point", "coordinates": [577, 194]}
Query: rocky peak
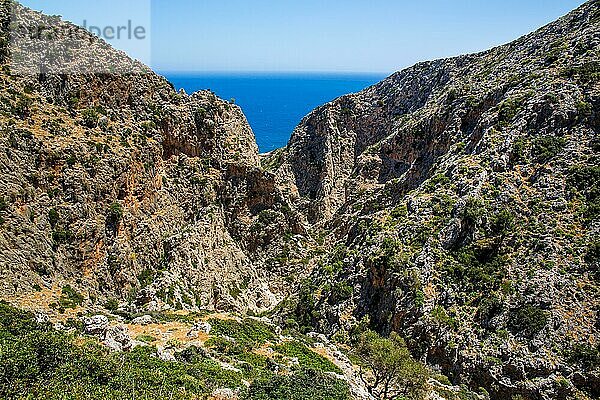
{"type": "Point", "coordinates": [399, 128]}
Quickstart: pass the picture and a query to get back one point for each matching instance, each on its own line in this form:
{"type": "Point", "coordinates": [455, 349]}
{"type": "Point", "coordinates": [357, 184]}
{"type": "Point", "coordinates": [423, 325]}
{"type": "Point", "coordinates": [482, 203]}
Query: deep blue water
{"type": "Point", "coordinates": [275, 103]}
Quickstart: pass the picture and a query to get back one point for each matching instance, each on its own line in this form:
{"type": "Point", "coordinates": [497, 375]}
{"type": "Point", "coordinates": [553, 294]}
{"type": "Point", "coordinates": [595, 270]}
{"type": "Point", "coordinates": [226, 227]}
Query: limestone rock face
{"type": "Point", "coordinates": [117, 338]}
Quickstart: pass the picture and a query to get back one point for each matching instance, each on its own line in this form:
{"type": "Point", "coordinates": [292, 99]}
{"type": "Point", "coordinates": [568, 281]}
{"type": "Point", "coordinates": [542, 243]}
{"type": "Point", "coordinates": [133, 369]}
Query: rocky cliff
{"type": "Point", "coordinates": [460, 197]}
{"type": "Point", "coordinates": [129, 190]}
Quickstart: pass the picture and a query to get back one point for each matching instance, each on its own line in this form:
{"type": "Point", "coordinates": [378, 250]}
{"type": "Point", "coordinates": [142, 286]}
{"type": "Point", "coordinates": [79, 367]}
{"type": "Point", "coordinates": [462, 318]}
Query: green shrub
{"type": "Point", "coordinates": [342, 291]}
{"type": "Point", "coordinates": [112, 304]}
{"type": "Point", "coordinates": [22, 106]}
{"type": "Point", "coordinates": [586, 355]}
{"type": "Point", "coordinates": [502, 223]}
{"type": "Point", "coordinates": [585, 73]}
{"type": "Point", "coordinates": [592, 254]}
{"type": "Point", "coordinates": [146, 338]}
{"type": "Point", "coordinates": [307, 358]}
{"type": "Point", "coordinates": [249, 333]}
{"type": "Point", "coordinates": [71, 160]}
{"type": "Point", "coordinates": [443, 204]}
{"type": "Point", "coordinates": [306, 307]}
{"type": "Point", "coordinates": [222, 345]}
{"type": "Point", "coordinates": [53, 217]}
{"type": "Point", "coordinates": [391, 365]}
{"type": "Point", "coordinates": [115, 212]}
{"type": "Point", "coordinates": [304, 385]}
{"type": "Point", "coordinates": [146, 277]}
{"type": "Point", "coordinates": [473, 211]}
{"type": "Point", "coordinates": [62, 236]}
{"type": "Point", "coordinates": [477, 267]}
{"type": "Point", "coordinates": [114, 215]}
{"type": "Point", "coordinates": [3, 204]}
{"type": "Point", "coordinates": [528, 320]}
{"type": "Point", "coordinates": [547, 147]}
{"type": "Point", "coordinates": [440, 315]}
{"type": "Point", "coordinates": [90, 117]}
{"type": "Point", "coordinates": [584, 109]}
{"type": "Point", "coordinates": [400, 212]}
{"type": "Point", "coordinates": [489, 307]}
{"type": "Point", "coordinates": [148, 126]}
{"type": "Point", "coordinates": [519, 151]}
{"type": "Point", "coordinates": [17, 322]}
{"type": "Point", "coordinates": [268, 217]}
{"type": "Point", "coordinates": [555, 52]}
{"type": "Point", "coordinates": [438, 180]}
{"type": "Point", "coordinates": [586, 179]}
{"type": "Point", "coordinates": [70, 298]}
{"type": "Point", "coordinates": [508, 111]}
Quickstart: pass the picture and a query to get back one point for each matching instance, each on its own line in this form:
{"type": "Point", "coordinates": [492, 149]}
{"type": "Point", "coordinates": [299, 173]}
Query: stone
{"type": "Point", "coordinates": [165, 354]}
{"type": "Point", "coordinates": [96, 325]}
{"type": "Point", "coordinates": [199, 327]}
{"type": "Point", "coordinates": [117, 338]}
{"type": "Point", "coordinates": [42, 318]}
{"type": "Point", "coordinates": [143, 320]}
{"type": "Point", "coordinates": [224, 394]}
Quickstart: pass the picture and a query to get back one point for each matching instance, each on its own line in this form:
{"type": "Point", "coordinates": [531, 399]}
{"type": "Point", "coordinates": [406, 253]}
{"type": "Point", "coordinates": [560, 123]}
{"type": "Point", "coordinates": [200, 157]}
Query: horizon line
{"type": "Point", "coordinates": [282, 72]}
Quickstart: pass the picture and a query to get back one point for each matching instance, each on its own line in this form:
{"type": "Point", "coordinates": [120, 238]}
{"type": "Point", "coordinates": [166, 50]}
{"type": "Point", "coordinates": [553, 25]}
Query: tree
{"type": "Point", "coordinates": [388, 370]}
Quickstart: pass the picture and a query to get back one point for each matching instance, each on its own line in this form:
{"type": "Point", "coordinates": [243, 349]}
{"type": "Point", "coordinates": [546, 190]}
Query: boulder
{"type": "Point", "coordinates": [143, 320]}
{"type": "Point", "coordinates": [199, 327]}
{"type": "Point", "coordinates": [96, 325]}
{"type": "Point", "coordinates": [165, 354]}
{"type": "Point", "coordinates": [117, 338]}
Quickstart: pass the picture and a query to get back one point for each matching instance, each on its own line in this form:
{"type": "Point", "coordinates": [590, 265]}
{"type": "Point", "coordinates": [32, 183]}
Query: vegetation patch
{"type": "Point", "coordinates": [70, 298]}
{"type": "Point", "coordinates": [508, 111]}
{"type": "Point", "coordinates": [479, 267]}
{"type": "Point", "coordinates": [585, 355]}
{"type": "Point", "coordinates": [304, 385]}
{"type": "Point", "coordinates": [394, 373]}
{"type": "Point", "coordinates": [441, 316]}
{"type": "Point", "coordinates": [586, 179]}
{"type": "Point", "coordinates": [38, 362]}
{"type": "Point", "coordinates": [90, 117]}
{"type": "Point", "coordinates": [62, 236]}
{"type": "Point", "coordinates": [115, 212]}
{"type": "Point", "coordinates": [528, 320]}
{"type": "Point", "coordinates": [307, 358]}
{"type": "Point", "coordinates": [586, 73]}
{"type": "Point", "coordinates": [249, 334]}
{"type": "Point", "coordinates": [146, 277]}
{"type": "Point", "coordinates": [547, 147]}
{"type": "Point", "coordinates": [53, 217]}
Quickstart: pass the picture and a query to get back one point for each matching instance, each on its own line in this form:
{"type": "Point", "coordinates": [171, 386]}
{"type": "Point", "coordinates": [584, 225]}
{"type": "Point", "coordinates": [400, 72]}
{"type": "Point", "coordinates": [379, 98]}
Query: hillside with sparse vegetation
{"type": "Point", "coordinates": [434, 236]}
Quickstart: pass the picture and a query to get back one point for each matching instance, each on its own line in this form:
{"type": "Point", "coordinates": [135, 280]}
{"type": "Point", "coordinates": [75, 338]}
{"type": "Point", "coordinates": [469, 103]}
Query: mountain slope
{"type": "Point", "coordinates": [460, 197]}
{"type": "Point", "coordinates": [127, 190]}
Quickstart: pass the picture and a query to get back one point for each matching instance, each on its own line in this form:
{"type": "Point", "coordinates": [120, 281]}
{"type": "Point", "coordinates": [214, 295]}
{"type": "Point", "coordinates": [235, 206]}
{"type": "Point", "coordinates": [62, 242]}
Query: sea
{"type": "Point", "coordinates": [275, 103]}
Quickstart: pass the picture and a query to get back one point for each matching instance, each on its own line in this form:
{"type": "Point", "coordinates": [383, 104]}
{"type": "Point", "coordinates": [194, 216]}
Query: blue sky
{"type": "Point", "coordinates": [317, 35]}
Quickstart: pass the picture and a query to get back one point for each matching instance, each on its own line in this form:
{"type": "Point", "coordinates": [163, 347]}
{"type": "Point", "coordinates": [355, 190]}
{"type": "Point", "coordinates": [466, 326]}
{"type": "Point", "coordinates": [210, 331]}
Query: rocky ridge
{"type": "Point", "coordinates": [460, 197]}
